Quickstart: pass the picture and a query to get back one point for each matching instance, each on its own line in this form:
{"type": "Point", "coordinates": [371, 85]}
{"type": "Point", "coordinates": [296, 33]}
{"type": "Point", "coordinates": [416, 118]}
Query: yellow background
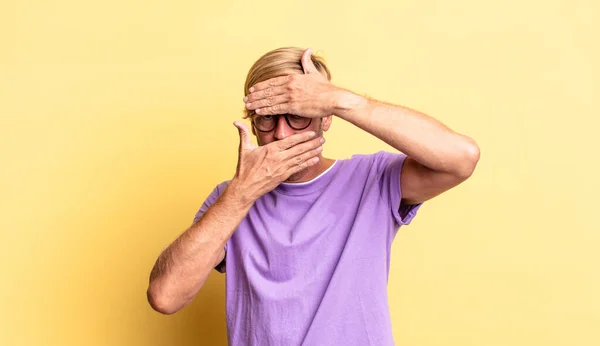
{"type": "Point", "coordinates": [116, 123]}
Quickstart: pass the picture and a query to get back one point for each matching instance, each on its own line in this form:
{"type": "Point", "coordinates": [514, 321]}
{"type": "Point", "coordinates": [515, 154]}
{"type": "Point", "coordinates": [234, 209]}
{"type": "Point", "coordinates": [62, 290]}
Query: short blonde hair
{"type": "Point", "coordinates": [280, 62]}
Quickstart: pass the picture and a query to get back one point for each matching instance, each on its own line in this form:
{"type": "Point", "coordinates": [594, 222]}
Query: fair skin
{"type": "Point", "coordinates": [438, 159]}
{"type": "Point", "coordinates": [283, 130]}
{"type": "Point", "coordinates": [183, 267]}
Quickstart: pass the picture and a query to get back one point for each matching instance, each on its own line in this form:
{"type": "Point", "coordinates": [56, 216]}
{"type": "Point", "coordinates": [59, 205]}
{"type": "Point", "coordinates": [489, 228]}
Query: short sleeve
{"type": "Point", "coordinates": [210, 200]}
{"type": "Point", "coordinates": [390, 165]}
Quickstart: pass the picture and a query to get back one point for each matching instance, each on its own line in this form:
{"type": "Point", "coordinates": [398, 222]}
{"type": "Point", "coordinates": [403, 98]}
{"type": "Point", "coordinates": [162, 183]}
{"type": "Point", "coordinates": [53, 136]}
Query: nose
{"type": "Point", "coordinates": [282, 130]}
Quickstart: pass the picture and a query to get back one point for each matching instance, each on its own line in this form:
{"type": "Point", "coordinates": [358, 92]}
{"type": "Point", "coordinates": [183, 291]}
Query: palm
{"type": "Point", "coordinates": [260, 169]}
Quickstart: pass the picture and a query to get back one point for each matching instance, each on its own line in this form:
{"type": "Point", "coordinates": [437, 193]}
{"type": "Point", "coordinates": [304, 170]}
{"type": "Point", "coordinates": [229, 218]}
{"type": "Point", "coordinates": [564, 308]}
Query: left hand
{"type": "Point", "coordinates": [308, 95]}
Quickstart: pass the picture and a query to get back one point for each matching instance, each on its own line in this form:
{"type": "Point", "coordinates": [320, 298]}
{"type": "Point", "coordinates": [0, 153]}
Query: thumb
{"type": "Point", "coordinates": [307, 63]}
{"type": "Point", "coordinates": [245, 140]}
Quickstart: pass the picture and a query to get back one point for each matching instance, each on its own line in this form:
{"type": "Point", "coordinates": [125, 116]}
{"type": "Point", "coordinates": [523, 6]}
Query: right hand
{"type": "Point", "coordinates": [261, 168]}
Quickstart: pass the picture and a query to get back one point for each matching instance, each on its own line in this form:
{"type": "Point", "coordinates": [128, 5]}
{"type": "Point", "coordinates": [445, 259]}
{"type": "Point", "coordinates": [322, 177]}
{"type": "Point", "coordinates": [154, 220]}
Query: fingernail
{"type": "Point", "coordinates": [319, 149]}
{"type": "Point", "coordinates": [248, 104]}
{"type": "Point", "coordinates": [252, 89]}
{"type": "Point", "coordinates": [312, 133]}
{"type": "Point", "coordinates": [322, 140]}
{"type": "Point", "coordinates": [246, 99]}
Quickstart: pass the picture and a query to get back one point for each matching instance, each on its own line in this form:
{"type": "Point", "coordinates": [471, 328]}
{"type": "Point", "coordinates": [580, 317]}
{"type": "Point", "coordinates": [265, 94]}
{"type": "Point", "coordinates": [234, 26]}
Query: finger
{"type": "Point", "coordinates": [245, 139]}
{"type": "Point", "coordinates": [302, 158]}
{"type": "Point", "coordinates": [268, 102]}
{"type": "Point", "coordinates": [263, 94]}
{"type": "Point", "coordinates": [302, 148]}
{"type": "Point", "coordinates": [277, 81]}
{"type": "Point", "coordinates": [284, 108]}
{"type": "Point", "coordinates": [293, 140]}
{"type": "Point", "coordinates": [311, 161]}
{"type": "Point", "coordinates": [307, 64]}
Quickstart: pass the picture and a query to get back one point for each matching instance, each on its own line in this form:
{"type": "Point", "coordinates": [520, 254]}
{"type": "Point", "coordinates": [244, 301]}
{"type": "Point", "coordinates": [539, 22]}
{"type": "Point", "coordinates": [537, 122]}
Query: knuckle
{"type": "Point", "coordinates": [268, 91]}
{"type": "Point", "coordinates": [269, 173]}
{"type": "Point", "coordinates": [270, 100]}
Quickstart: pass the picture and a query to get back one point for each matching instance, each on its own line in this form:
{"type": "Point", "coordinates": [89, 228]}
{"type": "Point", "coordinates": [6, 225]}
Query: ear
{"type": "Point", "coordinates": [307, 64]}
{"type": "Point", "coordinates": [326, 122]}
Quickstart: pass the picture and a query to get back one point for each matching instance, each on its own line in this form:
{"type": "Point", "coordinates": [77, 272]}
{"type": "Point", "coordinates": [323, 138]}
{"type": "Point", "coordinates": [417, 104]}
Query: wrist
{"type": "Point", "coordinates": [236, 193]}
{"type": "Point", "coordinates": [348, 104]}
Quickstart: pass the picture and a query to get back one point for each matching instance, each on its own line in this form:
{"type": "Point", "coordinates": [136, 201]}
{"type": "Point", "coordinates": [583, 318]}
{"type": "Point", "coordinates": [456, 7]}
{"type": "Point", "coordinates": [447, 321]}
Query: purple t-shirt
{"type": "Point", "coordinates": [309, 263]}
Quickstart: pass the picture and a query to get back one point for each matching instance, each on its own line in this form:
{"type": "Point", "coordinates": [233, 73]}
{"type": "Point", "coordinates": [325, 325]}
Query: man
{"type": "Point", "coordinates": [305, 240]}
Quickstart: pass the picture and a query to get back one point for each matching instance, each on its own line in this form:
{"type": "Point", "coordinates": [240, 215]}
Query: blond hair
{"type": "Point", "coordinates": [280, 62]}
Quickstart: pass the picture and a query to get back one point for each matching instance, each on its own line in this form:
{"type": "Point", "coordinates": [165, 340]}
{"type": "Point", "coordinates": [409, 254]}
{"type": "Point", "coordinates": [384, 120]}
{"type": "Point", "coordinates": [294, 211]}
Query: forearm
{"type": "Point", "coordinates": [182, 268]}
{"type": "Point", "coordinates": [419, 136]}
